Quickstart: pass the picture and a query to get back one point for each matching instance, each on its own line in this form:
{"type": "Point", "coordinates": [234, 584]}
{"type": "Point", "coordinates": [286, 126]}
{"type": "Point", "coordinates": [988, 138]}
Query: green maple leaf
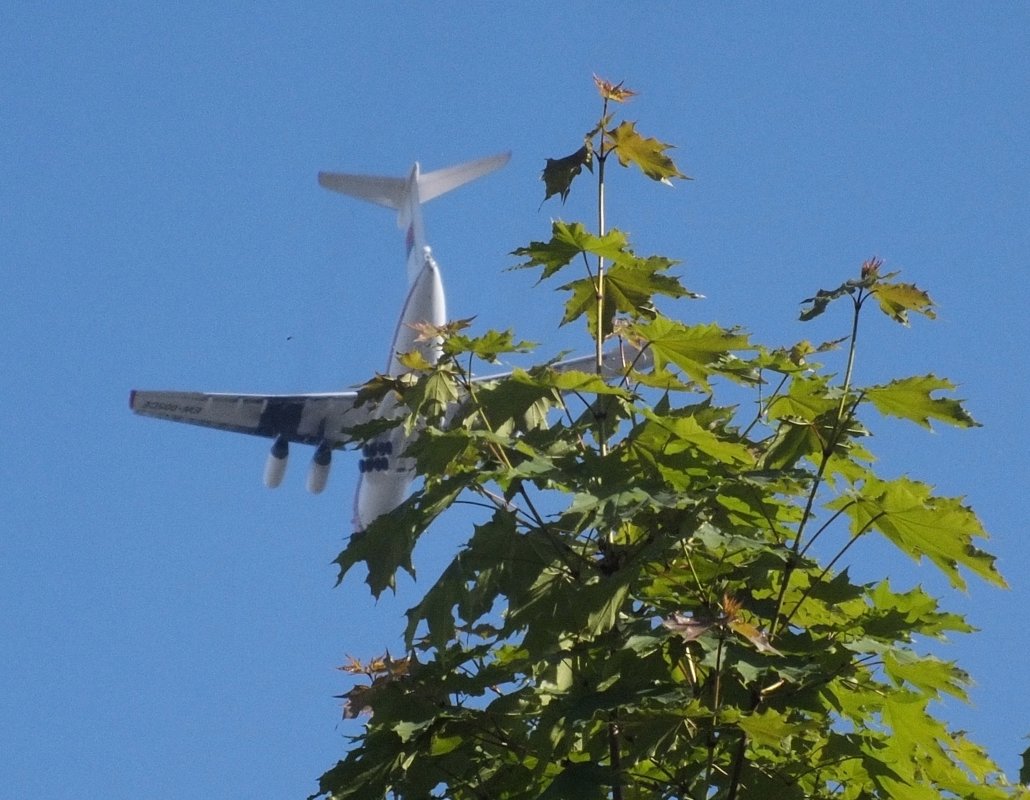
{"type": "Point", "coordinates": [667, 436]}
{"type": "Point", "coordinates": [771, 727]}
{"type": "Point", "coordinates": [487, 347]}
{"type": "Point", "coordinates": [634, 284]}
{"type": "Point", "coordinates": [921, 525]}
{"type": "Point", "coordinates": [648, 154]}
{"type": "Point", "coordinates": [559, 173]}
{"type": "Point", "coordinates": [794, 439]}
{"type": "Point", "coordinates": [567, 242]}
{"type": "Point", "coordinates": [385, 546]}
{"type": "Point", "coordinates": [430, 397]}
{"type": "Point", "coordinates": [695, 349]}
{"type": "Point", "coordinates": [630, 286]}
{"type": "Point", "coordinates": [926, 674]}
{"type": "Point", "coordinates": [911, 398]}
{"type": "Point", "coordinates": [567, 381]}
{"type": "Point", "coordinates": [914, 611]}
{"type": "Point", "coordinates": [583, 300]}
{"type": "Point", "coordinates": [897, 299]}
{"type": "Point", "coordinates": [824, 297]}
{"type": "Point", "coordinates": [809, 397]}
{"type": "Point", "coordinates": [579, 781]}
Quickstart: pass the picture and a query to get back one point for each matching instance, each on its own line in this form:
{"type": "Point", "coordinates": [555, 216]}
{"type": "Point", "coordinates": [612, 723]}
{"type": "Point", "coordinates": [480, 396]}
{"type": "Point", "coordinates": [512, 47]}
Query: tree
{"type": "Point", "coordinates": [653, 604]}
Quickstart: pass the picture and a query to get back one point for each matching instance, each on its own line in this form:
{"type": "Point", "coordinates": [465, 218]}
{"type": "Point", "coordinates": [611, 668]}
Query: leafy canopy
{"type": "Point", "coordinates": [655, 600]}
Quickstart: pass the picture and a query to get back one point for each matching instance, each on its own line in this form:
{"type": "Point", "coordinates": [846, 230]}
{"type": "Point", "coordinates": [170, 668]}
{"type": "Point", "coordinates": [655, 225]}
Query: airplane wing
{"type": "Point", "coordinates": [615, 363]}
{"type": "Point", "coordinates": [303, 418]}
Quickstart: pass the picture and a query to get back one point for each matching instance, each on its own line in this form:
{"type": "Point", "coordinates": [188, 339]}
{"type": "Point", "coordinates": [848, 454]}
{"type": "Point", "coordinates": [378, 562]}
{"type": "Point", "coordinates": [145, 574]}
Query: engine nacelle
{"type": "Point", "coordinates": [319, 474]}
{"type": "Point", "coordinates": [275, 467]}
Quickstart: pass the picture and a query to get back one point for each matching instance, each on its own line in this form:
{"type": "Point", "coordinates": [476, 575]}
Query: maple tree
{"type": "Point", "coordinates": [641, 611]}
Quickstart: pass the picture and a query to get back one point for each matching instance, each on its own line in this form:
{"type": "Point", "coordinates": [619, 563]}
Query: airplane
{"type": "Point", "coordinates": [325, 420]}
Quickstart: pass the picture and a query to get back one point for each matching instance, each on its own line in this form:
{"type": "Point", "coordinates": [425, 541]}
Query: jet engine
{"type": "Point", "coordinates": [319, 474]}
{"type": "Point", "coordinates": [275, 467]}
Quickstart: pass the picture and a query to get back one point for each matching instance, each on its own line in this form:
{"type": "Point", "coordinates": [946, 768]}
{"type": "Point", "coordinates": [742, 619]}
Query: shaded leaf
{"type": "Point", "coordinates": [579, 781]}
{"type": "Point", "coordinates": [385, 546]}
{"type": "Point", "coordinates": [794, 439]}
{"type": "Point", "coordinates": [770, 727]}
{"type": "Point", "coordinates": [559, 173]}
{"type": "Point", "coordinates": [824, 297]}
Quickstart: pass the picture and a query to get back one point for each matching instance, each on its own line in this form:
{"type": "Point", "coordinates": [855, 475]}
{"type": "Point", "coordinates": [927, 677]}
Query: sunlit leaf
{"type": "Point", "coordinates": [487, 347]}
{"type": "Point", "coordinates": [897, 299]}
{"type": "Point", "coordinates": [911, 398]}
{"type": "Point", "coordinates": [923, 526]}
{"type": "Point", "coordinates": [567, 242]}
{"type": "Point", "coordinates": [926, 674]}
{"type": "Point", "coordinates": [647, 154]}
{"type": "Point", "coordinates": [568, 381]}
{"type": "Point", "coordinates": [414, 360]}
{"type": "Point", "coordinates": [808, 398]}
{"type": "Point", "coordinates": [675, 434]}
{"type": "Point", "coordinates": [696, 349]}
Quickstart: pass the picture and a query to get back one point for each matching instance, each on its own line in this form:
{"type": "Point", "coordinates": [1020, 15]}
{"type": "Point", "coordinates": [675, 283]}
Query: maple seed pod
{"type": "Point", "coordinates": [871, 267]}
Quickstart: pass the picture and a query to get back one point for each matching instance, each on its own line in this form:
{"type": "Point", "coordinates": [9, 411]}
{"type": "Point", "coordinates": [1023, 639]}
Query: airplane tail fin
{"type": "Point", "coordinates": [392, 192]}
{"type": "Point", "coordinates": [406, 196]}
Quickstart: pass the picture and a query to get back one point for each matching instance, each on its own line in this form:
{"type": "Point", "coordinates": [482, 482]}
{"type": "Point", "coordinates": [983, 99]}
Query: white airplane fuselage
{"type": "Point", "coordinates": [385, 474]}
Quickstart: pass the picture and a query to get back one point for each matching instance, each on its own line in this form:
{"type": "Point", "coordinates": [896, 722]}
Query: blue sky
{"type": "Point", "coordinates": [169, 627]}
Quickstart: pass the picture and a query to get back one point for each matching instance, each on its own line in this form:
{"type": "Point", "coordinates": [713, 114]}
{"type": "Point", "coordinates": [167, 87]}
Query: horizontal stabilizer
{"type": "Point", "coordinates": [433, 184]}
{"type": "Point", "coordinates": [391, 192]}
{"type": "Point", "coordinates": [387, 192]}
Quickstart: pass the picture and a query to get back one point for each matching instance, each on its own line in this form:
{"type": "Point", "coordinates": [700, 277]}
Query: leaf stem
{"type": "Point", "coordinates": [858, 301]}
{"type": "Point", "coordinates": [828, 448]}
{"type": "Point", "coordinates": [826, 525]}
{"type": "Point", "coordinates": [602, 156]}
{"type": "Point", "coordinates": [615, 757]}
{"type": "Point", "coordinates": [865, 529]}
{"type": "Point", "coordinates": [763, 408]}
{"type": "Point", "coordinates": [716, 699]}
